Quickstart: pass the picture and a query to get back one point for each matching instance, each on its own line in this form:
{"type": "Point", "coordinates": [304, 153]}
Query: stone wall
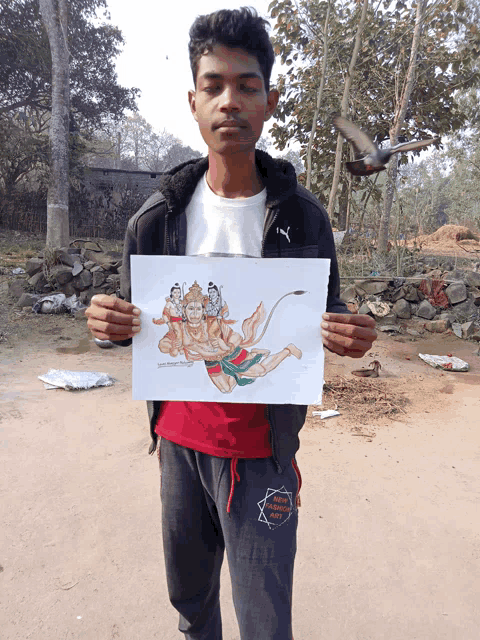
{"type": "Point", "coordinates": [436, 301]}
{"type": "Point", "coordinates": [83, 270]}
{"type": "Point", "coordinates": [433, 299]}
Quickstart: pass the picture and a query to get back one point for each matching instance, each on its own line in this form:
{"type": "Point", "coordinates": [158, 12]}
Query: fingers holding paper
{"type": "Point", "coordinates": [111, 318]}
{"type": "Point", "coordinates": [348, 334]}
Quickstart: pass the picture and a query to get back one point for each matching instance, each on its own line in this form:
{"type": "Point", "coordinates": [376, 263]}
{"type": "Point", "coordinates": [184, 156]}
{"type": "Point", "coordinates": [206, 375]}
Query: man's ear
{"type": "Point", "coordinates": [191, 101]}
{"type": "Point", "coordinates": [272, 101]}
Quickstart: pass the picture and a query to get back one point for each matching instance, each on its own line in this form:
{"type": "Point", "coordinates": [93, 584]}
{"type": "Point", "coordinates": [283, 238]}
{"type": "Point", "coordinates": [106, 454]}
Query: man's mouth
{"type": "Point", "coordinates": [229, 124]}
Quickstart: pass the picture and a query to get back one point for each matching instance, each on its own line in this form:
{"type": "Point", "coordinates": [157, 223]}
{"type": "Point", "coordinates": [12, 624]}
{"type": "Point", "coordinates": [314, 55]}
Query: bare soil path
{"type": "Point", "coordinates": [389, 537]}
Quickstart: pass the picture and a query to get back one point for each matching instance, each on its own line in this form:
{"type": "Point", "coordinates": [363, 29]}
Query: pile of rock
{"type": "Point", "coordinates": [83, 270]}
{"type": "Point", "coordinates": [436, 302]}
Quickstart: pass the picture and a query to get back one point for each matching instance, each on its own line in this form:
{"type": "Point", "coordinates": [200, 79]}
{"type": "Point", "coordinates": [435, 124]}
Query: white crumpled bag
{"type": "Point", "coordinates": [73, 380]}
{"type": "Point", "coordinates": [58, 303]}
{"type": "Point", "coordinates": [50, 304]}
{"type": "Point", "coordinates": [447, 363]}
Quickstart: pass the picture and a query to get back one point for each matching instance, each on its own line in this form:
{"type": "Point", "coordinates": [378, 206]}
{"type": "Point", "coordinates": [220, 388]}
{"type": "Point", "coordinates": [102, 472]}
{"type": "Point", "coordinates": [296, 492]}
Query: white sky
{"type": "Point", "coordinates": [151, 36]}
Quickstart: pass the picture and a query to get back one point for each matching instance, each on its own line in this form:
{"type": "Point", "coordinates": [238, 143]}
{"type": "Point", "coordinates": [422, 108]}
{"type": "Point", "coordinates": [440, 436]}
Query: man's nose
{"type": "Point", "coordinates": [229, 99]}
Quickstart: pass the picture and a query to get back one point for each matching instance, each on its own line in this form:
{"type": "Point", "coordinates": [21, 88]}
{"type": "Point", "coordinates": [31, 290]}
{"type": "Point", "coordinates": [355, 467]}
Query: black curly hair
{"type": "Point", "coordinates": [236, 29]}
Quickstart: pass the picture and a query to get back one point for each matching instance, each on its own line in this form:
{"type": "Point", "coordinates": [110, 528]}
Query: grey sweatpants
{"type": "Point", "coordinates": [258, 532]}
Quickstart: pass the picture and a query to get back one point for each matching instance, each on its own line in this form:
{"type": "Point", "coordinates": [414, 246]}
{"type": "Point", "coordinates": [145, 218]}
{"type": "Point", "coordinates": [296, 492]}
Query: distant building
{"type": "Point", "coordinates": [102, 200]}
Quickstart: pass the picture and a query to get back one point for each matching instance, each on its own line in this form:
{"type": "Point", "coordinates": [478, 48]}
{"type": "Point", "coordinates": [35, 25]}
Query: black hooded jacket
{"type": "Point", "coordinates": [160, 228]}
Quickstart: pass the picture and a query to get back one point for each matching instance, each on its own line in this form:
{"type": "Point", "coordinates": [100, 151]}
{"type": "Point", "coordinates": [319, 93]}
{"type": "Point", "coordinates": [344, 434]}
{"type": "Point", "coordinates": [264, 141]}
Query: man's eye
{"type": "Point", "coordinates": [248, 89]}
{"type": "Point", "coordinates": [211, 89]}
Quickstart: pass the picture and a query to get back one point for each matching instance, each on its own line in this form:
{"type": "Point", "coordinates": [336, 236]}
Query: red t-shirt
{"type": "Point", "coordinates": [222, 429]}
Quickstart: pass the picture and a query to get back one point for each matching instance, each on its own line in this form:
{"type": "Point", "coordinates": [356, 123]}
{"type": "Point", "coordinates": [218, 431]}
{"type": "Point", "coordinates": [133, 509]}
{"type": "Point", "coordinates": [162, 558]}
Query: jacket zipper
{"type": "Point", "coordinates": [267, 228]}
{"type": "Point", "coordinates": [265, 231]}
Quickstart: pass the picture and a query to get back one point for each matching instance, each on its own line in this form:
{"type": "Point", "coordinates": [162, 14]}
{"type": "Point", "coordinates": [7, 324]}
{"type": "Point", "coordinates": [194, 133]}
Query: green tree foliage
{"type": "Point", "coordinates": [422, 199]}
{"type": "Point", "coordinates": [463, 190]}
{"type": "Point", "coordinates": [445, 188]}
{"type": "Point", "coordinates": [25, 63]}
{"type": "Point", "coordinates": [24, 56]}
{"type": "Point", "coordinates": [23, 147]}
{"type": "Point", "coordinates": [96, 98]}
{"type": "Point", "coordinates": [448, 52]}
{"type": "Point", "coordinates": [442, 189]}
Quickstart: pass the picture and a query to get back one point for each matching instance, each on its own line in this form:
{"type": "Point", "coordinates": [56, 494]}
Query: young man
{"type": "Point", "coordinates": [229, 476]}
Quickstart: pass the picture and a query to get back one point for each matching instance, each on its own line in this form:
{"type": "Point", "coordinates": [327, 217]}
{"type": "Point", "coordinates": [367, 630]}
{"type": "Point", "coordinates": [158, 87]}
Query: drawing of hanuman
{"type": "Point", "coordinates": [205, 334]}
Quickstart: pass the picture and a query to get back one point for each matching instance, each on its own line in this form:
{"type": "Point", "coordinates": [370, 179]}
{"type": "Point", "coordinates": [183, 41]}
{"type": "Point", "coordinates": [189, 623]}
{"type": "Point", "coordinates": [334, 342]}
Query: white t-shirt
{"type": "Point", "coordinates": [219, 226]}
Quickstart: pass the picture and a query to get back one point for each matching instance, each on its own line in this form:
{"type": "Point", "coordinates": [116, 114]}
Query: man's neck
{"type": "Point", "coordinates": [233, 176]}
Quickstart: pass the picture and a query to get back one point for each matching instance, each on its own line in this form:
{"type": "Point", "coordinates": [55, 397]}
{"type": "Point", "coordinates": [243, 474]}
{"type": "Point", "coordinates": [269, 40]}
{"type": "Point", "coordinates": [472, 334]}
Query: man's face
{"type": "Point", "coordinates": [194, 312]}
{"type": "Point", "coordinates": [230, 102]}
{"type": "Point", "coordinates": [176, 294]}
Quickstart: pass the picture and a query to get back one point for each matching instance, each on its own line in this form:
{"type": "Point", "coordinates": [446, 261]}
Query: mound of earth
{"type": "Point", "coordinates": [449, 235]}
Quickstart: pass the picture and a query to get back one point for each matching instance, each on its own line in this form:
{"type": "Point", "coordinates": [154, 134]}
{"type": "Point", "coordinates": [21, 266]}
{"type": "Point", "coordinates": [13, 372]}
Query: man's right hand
{"type": "Point", "coordinates": [111, 318]}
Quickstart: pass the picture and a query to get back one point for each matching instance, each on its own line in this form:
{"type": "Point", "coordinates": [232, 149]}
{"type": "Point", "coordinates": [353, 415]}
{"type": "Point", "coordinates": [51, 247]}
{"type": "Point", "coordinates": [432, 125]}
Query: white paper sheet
{"type": "Point", "coordinates": [192, 323]}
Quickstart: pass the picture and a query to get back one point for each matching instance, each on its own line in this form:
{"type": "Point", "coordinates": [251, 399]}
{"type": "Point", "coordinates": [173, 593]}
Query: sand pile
{"type": "Point", "coordinates": [449, 236]}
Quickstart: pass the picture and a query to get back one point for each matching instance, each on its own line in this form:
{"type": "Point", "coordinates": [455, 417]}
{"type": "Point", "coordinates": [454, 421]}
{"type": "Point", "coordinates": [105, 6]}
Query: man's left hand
{"type": "Point", "coordinates": [348, 334]}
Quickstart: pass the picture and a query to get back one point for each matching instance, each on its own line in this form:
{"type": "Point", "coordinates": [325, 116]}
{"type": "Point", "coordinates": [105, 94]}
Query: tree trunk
{"type": "Point", "coordinates": [342, 207]}
{"type": "Point", "coordinates": [319, 98]}
{"type": "Point", "coordinates": [360, 227]}
{"type": "Point", "coordinates": [118, 151]}
{"type": "Point", "coordinates": [136, 151]}
{"type": "Point", "coordinates": [349, 203]}
{"type": "Point", "coordinates": [399, 119]}
{"type": "Point", "coordinates": [344, 106]}
{"type": "Point", "coordinates": [54, 17]}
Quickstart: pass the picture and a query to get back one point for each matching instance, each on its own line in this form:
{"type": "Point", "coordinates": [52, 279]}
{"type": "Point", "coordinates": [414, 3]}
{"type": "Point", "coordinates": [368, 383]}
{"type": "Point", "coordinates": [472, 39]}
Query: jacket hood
{"type": "Point", "coordinates": [178, 184]}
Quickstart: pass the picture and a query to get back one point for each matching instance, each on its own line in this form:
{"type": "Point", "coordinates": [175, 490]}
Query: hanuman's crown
{"type": "Point", "coordinates": [195, 294]}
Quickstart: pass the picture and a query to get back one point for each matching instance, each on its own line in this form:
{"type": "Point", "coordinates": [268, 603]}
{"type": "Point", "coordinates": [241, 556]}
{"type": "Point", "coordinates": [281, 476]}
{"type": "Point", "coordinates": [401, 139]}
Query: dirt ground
{"type": "Point", "coordinates": [389, 543]}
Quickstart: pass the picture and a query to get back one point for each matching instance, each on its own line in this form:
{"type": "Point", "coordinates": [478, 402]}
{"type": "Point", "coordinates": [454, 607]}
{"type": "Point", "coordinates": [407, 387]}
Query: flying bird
{"type": "Point", "coordinates": [369, 158]}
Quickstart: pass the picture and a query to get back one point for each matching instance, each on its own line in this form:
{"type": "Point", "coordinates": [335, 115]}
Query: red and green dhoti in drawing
{"type": "Point", "coordinates": [237, 362]}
